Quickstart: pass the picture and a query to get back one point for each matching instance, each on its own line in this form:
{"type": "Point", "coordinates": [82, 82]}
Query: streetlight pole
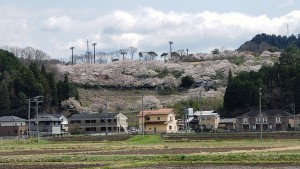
{"type": "Point", "coordinates": [170, 42]}
{"type": "Point", "coordinates": [94, 44]}
{"type": "Point", "coordinates": [260, 115]}
{"type": "Point", "coordinates": [72, 48]}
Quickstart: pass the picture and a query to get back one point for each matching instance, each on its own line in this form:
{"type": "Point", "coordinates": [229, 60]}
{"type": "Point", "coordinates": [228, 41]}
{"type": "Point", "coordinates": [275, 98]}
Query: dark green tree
{"type": "Point", "coordinates": [187, 82]}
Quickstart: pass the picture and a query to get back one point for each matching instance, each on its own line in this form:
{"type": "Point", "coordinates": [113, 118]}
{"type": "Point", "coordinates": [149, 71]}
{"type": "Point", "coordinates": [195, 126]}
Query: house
{"type": "Point", "coordinates": [297, 122]}
{"type": "Point", "coordinates": [227, 124]}
{"type": "Point", "coordinates": [64, 121]}
{"type": "Point", "coordinates": [48, 125]}
{"type": "Point", "coordinates": [276, 120]}
{"type": "Point", "coordinates": [12, 126]}
{"type": "Point", "coordinates": [99, 122]}
{"type": "Point", "coordinates": [158, 121]}
{"type": "Point", "coordinates": [208, 119]}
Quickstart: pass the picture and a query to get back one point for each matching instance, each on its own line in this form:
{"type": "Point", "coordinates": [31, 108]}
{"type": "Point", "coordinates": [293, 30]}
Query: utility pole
{"type": "Point", "coordinates": [260, 115]}
{"type": "Point", "coordinates": [143, 130]}
{"type": "Point", "coordinates": [36, 99]}
{"type": "Point", "coordinates": [200, 120]}
{"type": "Point", "coordinates": [106, 120]}
{"type": "Point", "coordinates": [187, 52]}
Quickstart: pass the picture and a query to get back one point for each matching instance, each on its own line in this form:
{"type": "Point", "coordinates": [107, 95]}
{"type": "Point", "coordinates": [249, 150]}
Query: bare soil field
{"type": "Point", "coordinates": [150, 153]}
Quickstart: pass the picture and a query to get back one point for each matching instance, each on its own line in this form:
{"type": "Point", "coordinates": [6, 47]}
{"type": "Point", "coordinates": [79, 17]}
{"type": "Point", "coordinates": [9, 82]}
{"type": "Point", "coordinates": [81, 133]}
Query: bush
{"type": "Point", "coordinates": [187, 82]}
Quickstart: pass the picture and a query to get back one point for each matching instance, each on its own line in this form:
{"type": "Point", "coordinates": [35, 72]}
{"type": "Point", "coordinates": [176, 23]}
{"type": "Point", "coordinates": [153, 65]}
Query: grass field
{"type": "Point", "coordinates": [152, 151]}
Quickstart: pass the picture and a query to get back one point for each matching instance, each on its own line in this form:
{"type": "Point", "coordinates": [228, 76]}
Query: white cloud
{"type": "Point", "coordinates": [57, 23]}
{"type": "Point", "coordinates": [144, 27]}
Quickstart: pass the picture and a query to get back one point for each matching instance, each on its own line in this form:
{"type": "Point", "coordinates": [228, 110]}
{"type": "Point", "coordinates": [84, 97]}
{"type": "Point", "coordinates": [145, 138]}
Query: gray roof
{"type": "Point", "coordinates": [92, 116]}
{"type": "Point", "coordinates": [269, 113]}
{"type": "Point", "coordinates": [228, 120]}
{"type": "Point", "coordinates": [11, 119]}
{"type": "Point", "coordinates": [57, 115]}
{"type": "Point", "coordinates": [45, 117]}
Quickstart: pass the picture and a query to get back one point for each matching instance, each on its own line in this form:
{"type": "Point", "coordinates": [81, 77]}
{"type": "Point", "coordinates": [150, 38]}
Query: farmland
{"type": "Point", "coordinates": [152, 151]}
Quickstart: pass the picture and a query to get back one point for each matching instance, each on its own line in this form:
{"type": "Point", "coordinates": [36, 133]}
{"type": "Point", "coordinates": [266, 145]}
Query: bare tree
{"type": "Point", "coordinates": [102, 57]}
{"type": "Point", "coordinates": [132, 51]}
{"type": "Point", "coordinates": [14, 50]}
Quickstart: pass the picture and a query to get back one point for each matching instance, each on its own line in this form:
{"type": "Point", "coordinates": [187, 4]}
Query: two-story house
{"type": "Point", "coordinates": [274, 120]}
{"type": "Point", "coordinates": [12, 126]}
{"type": "Point", "coordinates": [158, 121]}
{"type": "Point", "coordinates": [45, 124]}
{"type": "Point", "coordinates": [99, 122]}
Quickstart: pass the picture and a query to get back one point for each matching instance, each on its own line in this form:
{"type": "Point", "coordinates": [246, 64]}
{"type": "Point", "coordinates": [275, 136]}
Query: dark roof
{"type": "Point", "coordinates": [93, 116]}
{"type": "Point", "coordinates": [57, 115]}
{"type": "Point", "coordinates": [11, 119]}
{"type": "Point", "coordinates": [45, 117]}
{"type": "Point", "coordinates": [270, 113]}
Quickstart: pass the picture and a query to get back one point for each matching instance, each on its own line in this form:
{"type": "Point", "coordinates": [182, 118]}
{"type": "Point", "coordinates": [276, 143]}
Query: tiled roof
{"type": "Point", "coordinates": [11, 119]}
{"type": "Point", "coordinates": [156, 112]}
{"type": "Point", "coordinates": [270, 113]}
{"type": "Point", "coordinates": [92, 116]}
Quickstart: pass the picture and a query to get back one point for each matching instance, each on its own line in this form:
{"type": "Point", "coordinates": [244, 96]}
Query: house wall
{"type": "Point", "coordinates": [271, 124]}
{"type": "Point", "coordinates": [99, 126]}
{"type": "Point", "coordinates": [12, 130]}
{"type": "Point", "coordinates": [13, 123]}
{"type": "Point", "coordinates": [297, 122]}
{"type": "Point", "coordinates": [210, 121]}
{"type": "Point", "coordinates": [51, 127]}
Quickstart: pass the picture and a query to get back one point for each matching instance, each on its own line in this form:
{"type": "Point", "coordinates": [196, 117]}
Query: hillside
{"type": "Point", "coordinates": [264, 42]}
{"type": "Point", "coordinates": [121, 82]}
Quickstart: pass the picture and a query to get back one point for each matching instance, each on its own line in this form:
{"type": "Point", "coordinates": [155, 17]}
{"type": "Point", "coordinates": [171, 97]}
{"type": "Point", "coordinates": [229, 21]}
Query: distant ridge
{"type": "Point", "coordinates": [273, 43]}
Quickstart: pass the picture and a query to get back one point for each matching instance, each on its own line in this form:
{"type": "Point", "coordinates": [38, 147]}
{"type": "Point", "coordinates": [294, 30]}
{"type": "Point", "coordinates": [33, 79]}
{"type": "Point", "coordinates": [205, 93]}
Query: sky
{"type": "Point", "coordinates": [53, 26]}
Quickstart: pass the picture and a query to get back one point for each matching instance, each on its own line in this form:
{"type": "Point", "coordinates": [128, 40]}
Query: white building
{"type": "Point", "coordinates": [208, 118]}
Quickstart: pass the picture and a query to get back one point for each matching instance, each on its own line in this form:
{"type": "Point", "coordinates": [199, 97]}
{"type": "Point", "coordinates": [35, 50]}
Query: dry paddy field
{"type": "Point", "coordinates": [150, 152]}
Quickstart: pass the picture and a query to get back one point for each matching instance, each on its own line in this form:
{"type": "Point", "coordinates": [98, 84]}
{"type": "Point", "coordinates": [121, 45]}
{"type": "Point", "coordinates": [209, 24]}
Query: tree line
{"type": "Point", "coordinates": [19, 82]}
{"type": "Point", "coordinates": [279, 86]}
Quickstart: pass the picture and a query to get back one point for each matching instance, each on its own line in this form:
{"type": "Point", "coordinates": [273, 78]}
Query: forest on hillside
{"type": "Point", "coordinates": [264, 42]}
{"type": "Point", "coordinates": [21, 80]}
{"type": "Point", "coordinates": [279, 86]}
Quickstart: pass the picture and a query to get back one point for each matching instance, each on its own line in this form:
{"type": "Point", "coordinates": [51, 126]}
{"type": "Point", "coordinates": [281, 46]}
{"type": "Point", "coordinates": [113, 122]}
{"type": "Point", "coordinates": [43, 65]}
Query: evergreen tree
{"type": "Point", "coordinates": [4, 99]}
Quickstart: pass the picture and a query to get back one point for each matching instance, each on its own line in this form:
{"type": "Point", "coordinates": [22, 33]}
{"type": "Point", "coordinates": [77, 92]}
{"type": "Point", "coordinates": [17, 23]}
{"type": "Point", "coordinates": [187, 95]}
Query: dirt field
{"type": "Point", "coordinates": [141, 155]}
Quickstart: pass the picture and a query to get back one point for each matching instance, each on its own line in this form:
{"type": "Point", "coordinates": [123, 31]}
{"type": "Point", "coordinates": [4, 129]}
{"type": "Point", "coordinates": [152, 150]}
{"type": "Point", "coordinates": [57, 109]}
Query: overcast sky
{"type": "Point", "coordinates": [55, 25]}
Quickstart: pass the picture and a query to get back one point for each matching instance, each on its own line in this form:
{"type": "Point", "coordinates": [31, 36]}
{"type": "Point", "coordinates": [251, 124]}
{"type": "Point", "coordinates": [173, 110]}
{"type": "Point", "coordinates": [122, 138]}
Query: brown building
{"type": "Point", "coordinates": [12, 126]}
{"type": "Point", "coordinates": [161, 121]}
{"type": "Point", "coordinates": [272, 120]}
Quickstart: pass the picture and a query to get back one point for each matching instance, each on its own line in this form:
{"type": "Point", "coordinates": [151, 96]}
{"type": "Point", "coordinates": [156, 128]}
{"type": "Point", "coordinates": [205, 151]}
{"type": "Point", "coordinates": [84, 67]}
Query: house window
{"type": "Point", "coordinates": [93, 129]}
{"type": "Point", "coordinates": [109, 129]}
{"type": "Point", "coordinates": [54, 123]}
{"type": "Point", "coordinates": [245, 120]}
{"type": "Point", "coordinates": [87, 121]}
{"type": "Point", "coordinates": [208, 118]}
{"type": "Point", "coordinates": [171, 118]}
{"type": "Point", "coordinates": [278, 119]}
{"type": "Point", "coordinates": [114, 120]}
{"type": "Point", "coordinates": [93, 121]}
{"type": "Point", "coordinates": [103, 128]}
{"type": "Point", "coordinates": [147, 118]}
{"type": "Point", "coordinates": [87, 129]}
{"type": "Point", "coordinates": [58, 123]}
{"type": "Point", "coordinates": [102, 121]}
{"type": "Point", "coordinates": [78, 121]}
{"type": "Point", "coordinates": [265, 119]}
{"type": "Point", "coordinates": [47, 123]}
{"type": "Point", "coordinates": [109, 120]}
{"type": "Point", "coordinates": [170, 127]}
{"type": "Point", "coordinates": [158, 118]}
{"type": "Point", "coordinates": [257, 120]}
